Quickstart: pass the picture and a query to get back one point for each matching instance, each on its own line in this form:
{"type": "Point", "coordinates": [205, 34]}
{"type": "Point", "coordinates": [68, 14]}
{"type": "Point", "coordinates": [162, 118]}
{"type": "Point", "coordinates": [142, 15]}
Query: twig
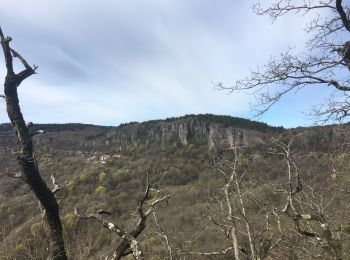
{"type": "Point", "coordinates": [24, 62]}
{"type": "Point", "coordinates": [37, 132]}
{"type": "Point", "coordinates": [163, 234]}
{"type": "Point", "coordinates": [56, 187]}
{"type": "Point", "coordinates": [15, 175]}
{"type": "Point", "coordinates": [223, 252]}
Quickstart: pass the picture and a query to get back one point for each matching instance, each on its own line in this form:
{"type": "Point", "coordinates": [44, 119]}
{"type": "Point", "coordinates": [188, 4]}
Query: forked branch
{"type": "Point", "coordinates": [129, 243]}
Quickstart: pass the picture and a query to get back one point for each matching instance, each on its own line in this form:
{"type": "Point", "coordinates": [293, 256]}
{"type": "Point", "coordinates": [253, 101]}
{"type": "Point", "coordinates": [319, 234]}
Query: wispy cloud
{"type": "Point", "coordinates": [108, 62]}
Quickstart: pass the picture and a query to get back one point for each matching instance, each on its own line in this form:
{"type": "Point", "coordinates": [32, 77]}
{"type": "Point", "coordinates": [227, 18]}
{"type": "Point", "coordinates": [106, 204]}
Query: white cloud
{"type": "Point", "coordinates": [109, 62]}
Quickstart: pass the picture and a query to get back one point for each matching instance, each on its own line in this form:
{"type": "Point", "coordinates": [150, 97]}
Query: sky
{"type": "Point", "coordinates": [108, 62]}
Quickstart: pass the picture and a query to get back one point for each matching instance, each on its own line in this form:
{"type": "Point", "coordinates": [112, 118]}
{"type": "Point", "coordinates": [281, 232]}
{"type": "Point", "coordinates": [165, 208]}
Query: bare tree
{"type": "Point", "coordinates": [25, 153]}
{"type": "Point", "coordinates": [309, 210]}
{"type": "Point", "coordinates": [246, 224]}
{"type": "Point", "coordinates": [234, 211]}
{"type": "Point", "coordinates": [128, 243]}
{"type": "Point", "coordinates": [325, 61]}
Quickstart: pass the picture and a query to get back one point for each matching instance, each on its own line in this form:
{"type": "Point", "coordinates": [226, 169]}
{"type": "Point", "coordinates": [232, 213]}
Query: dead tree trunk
{"type": "Point", "coordinates": [25, 153]}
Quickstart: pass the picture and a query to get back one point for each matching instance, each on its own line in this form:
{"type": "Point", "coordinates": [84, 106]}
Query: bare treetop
{"type": "Point", "coordinates": [325, 61]}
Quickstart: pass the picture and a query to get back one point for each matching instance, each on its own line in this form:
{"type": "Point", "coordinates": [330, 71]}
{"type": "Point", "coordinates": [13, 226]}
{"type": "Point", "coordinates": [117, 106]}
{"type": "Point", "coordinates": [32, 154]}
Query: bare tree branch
{"type": "Point", "coordinates": [38, 132]}
{"type": "Point", "coordinates": [164, 236]}
{"type": "Point", "coordinates": [326, 61]}
{"type": "Point", "coordinates": [293, 212]}
{"type": "Point", "coordinates": [128, 243]}
{"type": "Point", "coordinates": [214, 253]}
{"type": "Point", "coordinates": [55, 185]}
{"type": "Point", "coordinates": [15, 175]}
{"type": "Point", "coordinates": [232, 216]}
{"type": "Point", "coordinates": [125, 236]}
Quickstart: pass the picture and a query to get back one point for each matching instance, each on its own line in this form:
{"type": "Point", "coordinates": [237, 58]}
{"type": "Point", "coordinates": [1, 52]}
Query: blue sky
{"type": "Point", "coordinates": [110, 62]}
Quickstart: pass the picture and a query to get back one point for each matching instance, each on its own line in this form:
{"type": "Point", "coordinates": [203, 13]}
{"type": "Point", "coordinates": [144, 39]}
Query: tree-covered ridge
{"type": "Point", "coordinates": [238, 122]}
{"type": "Point", "coordinates": [224, 120]}
{"type": "Point", "coordinates": [55, 127]}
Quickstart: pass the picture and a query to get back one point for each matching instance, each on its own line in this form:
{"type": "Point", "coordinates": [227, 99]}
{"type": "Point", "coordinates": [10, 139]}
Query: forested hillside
{"type": "Point", "coordinates": [288, 189]}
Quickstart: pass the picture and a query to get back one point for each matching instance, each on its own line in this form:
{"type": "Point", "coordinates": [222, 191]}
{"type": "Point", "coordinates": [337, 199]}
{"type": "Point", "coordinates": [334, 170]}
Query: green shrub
{"type": "Point", "coordinates": [100, 189]}
{"type": "Point", "coordinates": [70, 186]}
{"type": "Point", "coordinates": [102, 176]}
{"type": "Point", "coordinates": [35, 229]}
{"type": "Point", "coordinates": [69, 221]}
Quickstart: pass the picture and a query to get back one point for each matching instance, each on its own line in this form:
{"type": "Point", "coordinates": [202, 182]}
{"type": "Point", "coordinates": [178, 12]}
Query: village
{"type": "Point", "coordinates": [104, 158]}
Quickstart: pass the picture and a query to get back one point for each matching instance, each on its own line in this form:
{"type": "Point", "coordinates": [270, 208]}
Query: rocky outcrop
{"type": "Point", "coordinates": [208, 130]}
{"type": "Point", "coordinates": [182, 131]}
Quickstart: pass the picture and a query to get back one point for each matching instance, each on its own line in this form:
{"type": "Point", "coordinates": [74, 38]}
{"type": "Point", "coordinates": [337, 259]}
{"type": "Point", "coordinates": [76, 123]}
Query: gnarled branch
{"type": "Point", "coordinates": [128, 243]}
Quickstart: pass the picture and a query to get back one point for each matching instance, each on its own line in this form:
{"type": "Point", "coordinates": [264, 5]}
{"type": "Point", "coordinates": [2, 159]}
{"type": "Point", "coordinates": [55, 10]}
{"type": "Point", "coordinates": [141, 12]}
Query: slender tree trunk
{"type": "Point", "coordinates": [243, 211]}
{"type": "Point", "coordinates": [235, 241]}
{"type": "Point", "coordinates": [234, 236]}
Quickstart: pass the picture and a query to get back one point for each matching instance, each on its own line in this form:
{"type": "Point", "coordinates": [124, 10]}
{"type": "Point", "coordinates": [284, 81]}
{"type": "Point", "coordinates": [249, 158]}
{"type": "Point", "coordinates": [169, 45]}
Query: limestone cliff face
{"type": "Point", "coordinates": [232, 136]}
{"type": "Point", "coordinates": [182, 131]}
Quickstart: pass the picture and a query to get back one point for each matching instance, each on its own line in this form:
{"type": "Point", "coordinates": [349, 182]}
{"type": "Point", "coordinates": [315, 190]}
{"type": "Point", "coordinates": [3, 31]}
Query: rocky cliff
{"type": "Point", "coordinates": [207, 130]}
